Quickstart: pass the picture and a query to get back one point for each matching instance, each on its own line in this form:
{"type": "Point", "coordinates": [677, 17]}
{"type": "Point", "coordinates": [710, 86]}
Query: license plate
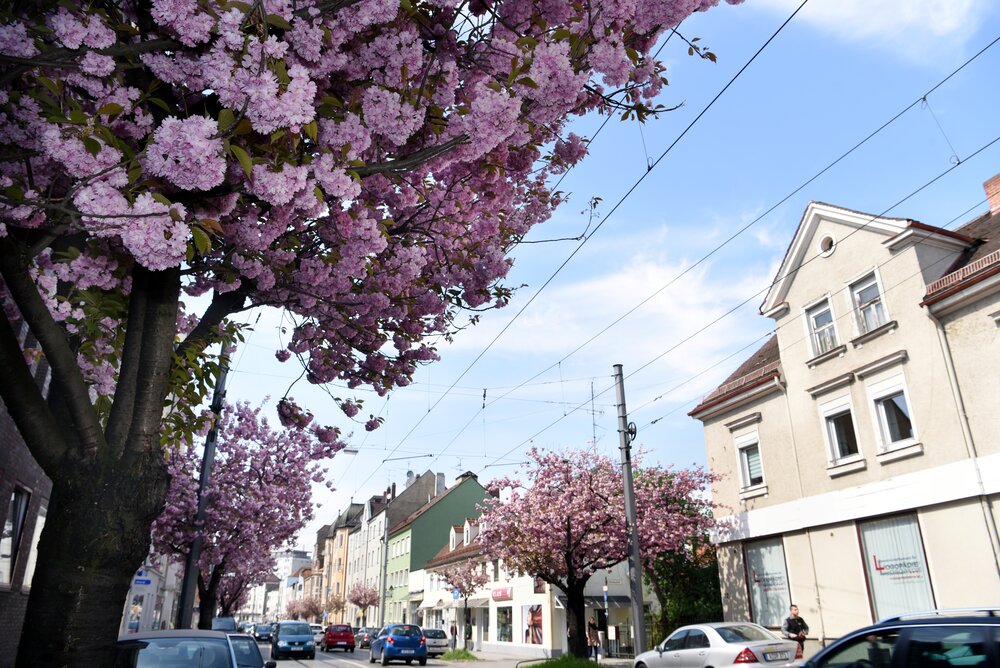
{"type": "Point", "coordinates": [776, 656]}
{"type": "Point", "coordinates": [407, 651]}
{"type": "Point", "coordinates": [296, 649]}
{"type": "Point", "coordinates": [341, 642]}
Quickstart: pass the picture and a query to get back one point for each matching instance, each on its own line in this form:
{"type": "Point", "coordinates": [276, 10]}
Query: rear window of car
{"type": "Point", "coordinates": [246, 652]}
{"type": "Point", "coordinates": [406, 630]}
{"type": "Point", "coordinates": [173, 652]}
{"type": "Point", "coordinates": [294, 630]}
{"type": "Point", "coordinates": [743, 633]}
{"type": "Point", "coordinates": [434, 633]}
{"type": "Point", "coordinates": [340, 628]}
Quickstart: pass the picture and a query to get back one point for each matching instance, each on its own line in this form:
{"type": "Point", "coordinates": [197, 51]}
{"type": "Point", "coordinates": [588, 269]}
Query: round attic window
{"type": "Point", "coordinates": [827, 245]}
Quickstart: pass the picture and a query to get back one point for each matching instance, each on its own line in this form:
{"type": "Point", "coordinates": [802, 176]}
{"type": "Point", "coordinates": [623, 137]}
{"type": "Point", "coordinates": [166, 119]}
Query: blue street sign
{"type": "Point", "coordinates": [142, 581]}
{"type": "Point", "coordinates": [456, 594]}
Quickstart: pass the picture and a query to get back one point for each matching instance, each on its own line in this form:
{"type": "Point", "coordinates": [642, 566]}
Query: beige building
{"type": "Point", "coordinates": [859, 448]}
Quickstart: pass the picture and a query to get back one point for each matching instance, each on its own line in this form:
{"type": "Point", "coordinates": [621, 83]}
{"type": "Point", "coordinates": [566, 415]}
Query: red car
{"type": "Point", "coordinates": [338, 636]}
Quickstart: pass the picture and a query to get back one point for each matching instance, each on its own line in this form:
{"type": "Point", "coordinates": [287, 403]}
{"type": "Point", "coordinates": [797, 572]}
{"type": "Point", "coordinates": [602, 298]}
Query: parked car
{"type": "Point", "coordinates": [262, 632]}
{"type": "Point", "coordinates": [933, 639]}
{"type": "Point", "coordinates": [292, 638]}
{"type": "Point", "coordinates": [224, 624]}
{"type": "Point", "coordinates": [188, 648]}
{"type": "Point", "coordinates": [363, 636]}
{"type": "Point", "coordinates": [399, 641]}
{"type": "Point", "coordinates": [437, 641]}
{"type": "Point", "coordinates": [721, 644]}
{"type": "Point", "coordinates": [338, 636]}
{"type": "Point", "coordinates": [317, 631]}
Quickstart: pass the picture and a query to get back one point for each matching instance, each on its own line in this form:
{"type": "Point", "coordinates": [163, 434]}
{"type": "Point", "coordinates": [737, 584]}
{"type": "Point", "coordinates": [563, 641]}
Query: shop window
{"type": "Point", "coordinates": [895, 566]}
{"type": "Point", "coordinates": [486, 624]}
{"type": "Point", "coordinates": [505, 624]}
{"type": "Point", "coordinates": [10, 539]}
{"type": "Point", "coordinates": [767, 581]}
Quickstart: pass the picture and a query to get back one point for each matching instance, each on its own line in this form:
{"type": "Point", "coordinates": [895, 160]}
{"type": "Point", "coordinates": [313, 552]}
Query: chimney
{"type": "Point", "coordinates": [393, 491]}
{"type": "Point", "coordinates": [992, 188]}
{"type": "Point", "coordinates": [439, 486]}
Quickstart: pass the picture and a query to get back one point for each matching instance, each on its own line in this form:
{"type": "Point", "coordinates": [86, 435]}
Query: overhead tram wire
{"type": "Point", "coordinates": [736, 234]}
{"type": "Point", "coordinates": [757, 294]}
{"type": "Point", "coordinates": [627, 194]}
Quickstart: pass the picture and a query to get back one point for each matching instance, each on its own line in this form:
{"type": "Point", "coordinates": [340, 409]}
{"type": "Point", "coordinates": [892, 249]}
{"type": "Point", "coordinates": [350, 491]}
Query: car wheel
{"type": "Point", "coordinates": [409, 661]}
{"type": "Point", "coordinates": [385, 658]}
{"type": "Point", "coordinates": [311, 656]}
{"type": "Point", "coordinates": [371, 657]}
{"type": "Point", "coordinates": [423, 662]}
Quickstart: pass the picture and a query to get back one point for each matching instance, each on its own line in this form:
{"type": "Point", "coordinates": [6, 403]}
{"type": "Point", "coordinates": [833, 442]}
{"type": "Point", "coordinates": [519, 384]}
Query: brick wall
{"type": "Point", "coordinates": [17, 468]}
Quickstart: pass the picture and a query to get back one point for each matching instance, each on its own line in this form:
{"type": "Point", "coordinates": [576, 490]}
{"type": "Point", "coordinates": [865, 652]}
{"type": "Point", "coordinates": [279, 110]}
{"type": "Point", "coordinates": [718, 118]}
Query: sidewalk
{"type": "Point", "coordinates": [499, 660]}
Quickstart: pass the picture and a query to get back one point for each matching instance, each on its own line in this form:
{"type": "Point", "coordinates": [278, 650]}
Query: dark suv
{"type": "Point", "coordinates": [934, 639]}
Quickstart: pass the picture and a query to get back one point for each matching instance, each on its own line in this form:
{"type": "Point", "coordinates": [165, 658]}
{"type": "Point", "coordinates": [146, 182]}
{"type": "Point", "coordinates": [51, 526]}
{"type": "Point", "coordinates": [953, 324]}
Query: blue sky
{"type": "Point", "coordinates": [837, 72]}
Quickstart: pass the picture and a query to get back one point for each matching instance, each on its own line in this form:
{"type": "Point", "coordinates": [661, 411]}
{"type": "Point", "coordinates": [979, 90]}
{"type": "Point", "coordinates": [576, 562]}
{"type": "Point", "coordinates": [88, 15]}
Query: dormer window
{"type": "Point", "coordinates": [466, 535]}
{"type": "Point", "coordinates": [821, 327]}
{"type": "Point", "coordinates": [868, 308]}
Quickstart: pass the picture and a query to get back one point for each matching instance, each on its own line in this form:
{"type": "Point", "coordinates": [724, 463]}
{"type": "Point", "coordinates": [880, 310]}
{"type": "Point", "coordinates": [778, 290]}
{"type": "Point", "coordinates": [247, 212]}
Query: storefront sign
{"type": "Point", "coordinates": [503, 594]}
{"type": "Point", "coordinates": [895, 566]}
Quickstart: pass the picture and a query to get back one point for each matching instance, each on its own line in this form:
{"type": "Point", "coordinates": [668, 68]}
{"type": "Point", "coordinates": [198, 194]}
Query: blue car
{"type": "Point", "coordinates": [404, 642]}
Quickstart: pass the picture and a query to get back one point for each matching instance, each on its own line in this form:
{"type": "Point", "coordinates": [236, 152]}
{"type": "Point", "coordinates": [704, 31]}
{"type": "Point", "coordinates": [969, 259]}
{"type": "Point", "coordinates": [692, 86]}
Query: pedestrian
{"type": "Point", "coordinates": [454, 635]}
{"type": "Point", "coordinates": [794, 627]}
{"type": "Point", "coordinates": [593, 640]}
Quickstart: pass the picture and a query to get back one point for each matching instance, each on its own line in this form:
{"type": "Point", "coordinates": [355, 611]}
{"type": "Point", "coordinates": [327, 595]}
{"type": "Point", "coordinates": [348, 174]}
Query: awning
{"type": "Point", "coordinates": [598, 602]}
{"type": "Point", "coordinates": [429, 603]}
{"type": "Point", "coordinates": [475, 602]}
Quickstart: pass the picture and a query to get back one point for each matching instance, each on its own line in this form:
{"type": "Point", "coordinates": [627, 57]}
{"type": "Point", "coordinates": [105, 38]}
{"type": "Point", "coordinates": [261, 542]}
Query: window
{"type": "Point", "coordinates": [868, 307]}
{"type": "Point", "coordinates": [753, 472]}
{"type": "Point", "coordinates": [505, 626]}
{"type": "Point", "coordinates": [768, 581]}
{"type": "Point", "coordinates": [948, 646]}
{"type": "Point", "coordinates": [894, 418]}
{"type": "Point", "coordinates": [895, 566]}
{"type": "Point", "coordinates": [675, 642]}
{"type": "Point", "coordinates": [29, 567]}
{"type": "Point", "coordinates": [696, 639]}
{"type": "Point", "coordinates": [13, 526]}
{"type": "Point", "coordinates": [840, 432]}
{"type": "Point", "coordinates": [872, 649]}
{"type": "Point", "coordinates": [821, 327]}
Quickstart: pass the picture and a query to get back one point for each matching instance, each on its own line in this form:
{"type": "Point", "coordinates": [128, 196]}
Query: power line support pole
{"type": "Point", "coordinates": [385, 567]}
{"type": "Point", "coordinates": [186, 604]}
{"type": "Point", "coordinates": [626, 432]}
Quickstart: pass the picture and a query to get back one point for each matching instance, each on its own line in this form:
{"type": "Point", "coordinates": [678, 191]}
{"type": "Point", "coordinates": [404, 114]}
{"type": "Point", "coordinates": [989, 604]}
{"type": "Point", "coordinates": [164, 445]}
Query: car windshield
{"type": "Point", "coordinates": [152, 652]}
{"type": "Point", "coordinates": [744, 632]}
{"type": "Point", "coordinates": [301, 629]}
{"type": "Point", "coordinates": [434, 633]}
{"type": "Point", "coordinates": [263, 627]}
{"type": "Point", "coordinates": [406, 630]}
{"type": "Point", "coordinates": [246, 652]}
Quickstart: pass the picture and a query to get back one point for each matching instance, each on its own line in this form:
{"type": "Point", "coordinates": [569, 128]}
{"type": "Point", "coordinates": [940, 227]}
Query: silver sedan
{"type": "Point", "coordinates": [720, 644]}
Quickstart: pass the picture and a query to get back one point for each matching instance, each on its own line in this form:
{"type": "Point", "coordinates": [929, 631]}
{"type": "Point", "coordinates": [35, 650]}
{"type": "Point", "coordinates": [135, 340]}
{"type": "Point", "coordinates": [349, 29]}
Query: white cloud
{"type": "Point", "coordinates": [905, 27]}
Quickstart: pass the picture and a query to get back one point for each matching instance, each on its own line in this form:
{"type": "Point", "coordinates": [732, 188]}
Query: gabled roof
{"type": "Point", "coordinates": [406, 521]}
{"type": "Point", "coordinates": [980, 260]}
{"type": "Point", "coordinates": [446, 555]}
{"type": "Point", "coordinates": [797, 252]}
{"type": "Point", "coordinates": [760, 367]}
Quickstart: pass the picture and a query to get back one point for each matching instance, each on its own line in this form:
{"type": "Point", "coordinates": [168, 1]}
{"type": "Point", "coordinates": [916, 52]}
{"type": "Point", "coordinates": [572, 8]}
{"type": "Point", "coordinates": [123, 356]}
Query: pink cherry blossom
{"type": "Point", "coordinates": [188, 153]}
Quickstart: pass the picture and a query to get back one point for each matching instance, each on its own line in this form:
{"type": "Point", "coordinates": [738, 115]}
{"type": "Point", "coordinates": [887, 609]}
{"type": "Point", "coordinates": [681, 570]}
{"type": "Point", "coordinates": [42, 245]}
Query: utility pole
{"type": "Point", "coordinates": [626, 432]}
{"type": "Point", "coordinates": [186, 603]}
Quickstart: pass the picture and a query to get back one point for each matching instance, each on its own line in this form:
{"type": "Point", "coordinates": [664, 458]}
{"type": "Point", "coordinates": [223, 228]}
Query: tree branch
{"type": "Point", "coordinates": [223, 304]}
{"type": "Point", "coordinates": [60, 356]}
{"type": "Point", "coordinates": [408, 162]}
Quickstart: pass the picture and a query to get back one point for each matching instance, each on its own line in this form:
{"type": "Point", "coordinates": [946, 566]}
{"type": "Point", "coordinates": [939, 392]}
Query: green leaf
{"type": "Point", "coordinates": [14, 193]}
{"type": "Point", "coordinates": [527, 41]}
{"type": "Point", "coordinates": [278, 22]}
{"type": "Point", "coordinates": [202, 242]}
{"type": "Point", "coordinates": [111, 109]}
{"type": "Point", "coordinates": [312, 131]}
{"type": "Point", "coordinates": [92, 145]}
{"type": "Point", "coordinates": [175, 215]}
{"type": "Point", "coordinates": [49, 83]}
{"type": "Point", "coordinates": [244, 159]}
{"type": "Point", "coordinates": [159, 103]}
{"type": "Point", "coordinates": [527, 81]}
{"type": "Point", "coordinates": [78, 117]}
{"type": "Point", "coordinates": [134, 172]}
{"type": "Point", "coordinates": [159, 197]}
{"type": "Point", "coordinates": [226, 119]}
{"type": "Point", "coordinates": [319, 193]}
{"type": "Point", "coordinates": [282, 73]}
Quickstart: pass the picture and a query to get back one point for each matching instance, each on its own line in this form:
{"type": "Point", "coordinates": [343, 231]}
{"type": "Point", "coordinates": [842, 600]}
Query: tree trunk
{"type": "Point", "coordinates": [576, 619]}
{"type": "Point", "coordinates": [208, 596]}
{"type": "Point", "coordinates": [95, 538]}
{"type": "Point", "coordinates": [109, 476]}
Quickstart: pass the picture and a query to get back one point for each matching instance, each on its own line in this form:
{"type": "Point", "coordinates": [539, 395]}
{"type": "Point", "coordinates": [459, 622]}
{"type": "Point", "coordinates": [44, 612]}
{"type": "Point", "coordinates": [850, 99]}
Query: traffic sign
{"type": "Point", "coordinates": [143, 581]}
